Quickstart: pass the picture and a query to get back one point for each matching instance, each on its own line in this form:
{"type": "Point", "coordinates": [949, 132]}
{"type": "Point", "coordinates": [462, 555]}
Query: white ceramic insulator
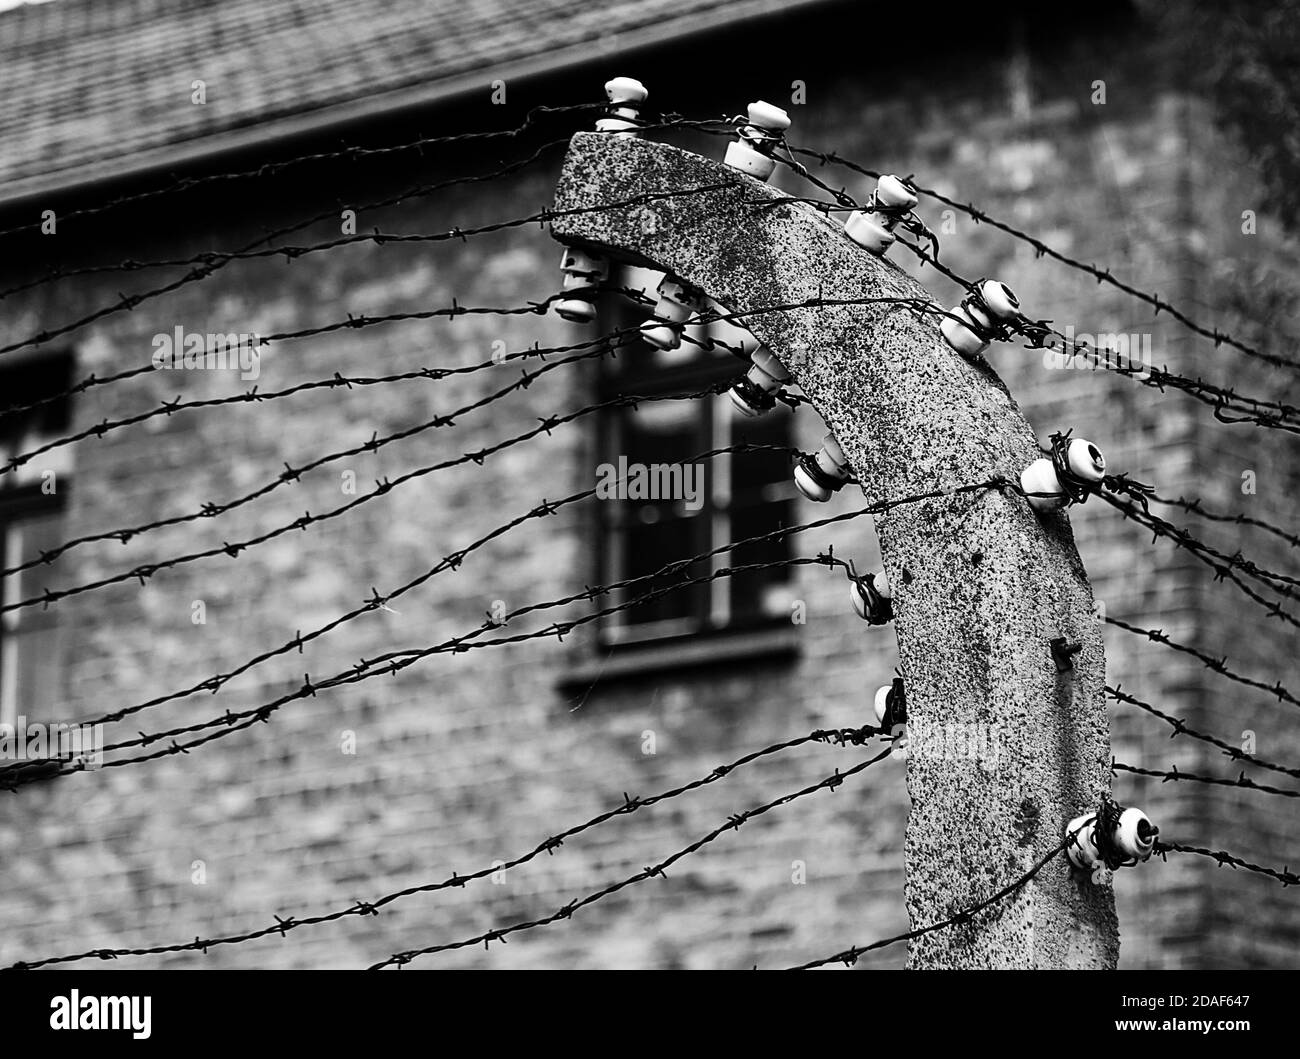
{"type": "Point", "coordinates": [765, 372]}
{"type": "Point", "coordinates": [881, 580]}
{"type": "Point", "coordinates": [744, 158]}
{"type": "Point", "coordinates": [858, 597]}
{"type": "Point", "coordinates": [583, 273]}
{"type": "Point", "coordinates": [623, 128]}
{"type": "Point", "coordinates": [1000, 299]}
{"type": "Point", "coordinates": [1128, 835]}
{"type": "Point", "coordinates": [1040, 477]}
{"type": "Point", "coordinates": [581, 269]}
{"type": "Point", "coordinates": [830, 460]}
{"type": "Point", "coordinates": [576, 310]}
{"type": "Point", "coordinates": [1085, 460]}
{"type": "Point", "coordinates": [626, 90]}
{"type": "Point", "coordinates": [868, 231]}
{"type": "Point", "coordinates": [676, 304]}
{"type": "Point", "coordinates": [767, 117]}
{"type": "Point", "coordinates": [892, 193]}
{"type": "Point", "coordinates": [812, 490]}
{"type": "Point", "coordinates": [1083, 851]}
{"type": "Point", "coordinates": [958, 335]}
{"type": "Point", "coordinates": [882, 702]}
{"type": "Point", "coordinates": [622, 120]}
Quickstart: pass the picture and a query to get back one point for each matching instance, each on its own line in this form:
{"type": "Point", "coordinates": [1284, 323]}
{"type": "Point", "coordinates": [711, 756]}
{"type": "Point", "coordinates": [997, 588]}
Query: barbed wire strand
{"type": "Point", "coordinates": [1197, 507]}
{"type": "Point", "coordinates": [216, 259]}
{"type": "Point", "coordinates": [283, 925]}
{"type": "Point", "coordinates": [1181, 727]}
{"type": "Point", "coordinates": [271, 168]}
{"type": "Point", "coordinates": [1283, 875]}
{"type": "Point", "coordinates": [1216, 665]}
{"type": "Point", "coordinates": [851, 955]}
{"type": "Point", "coordinates": [400, 959]}
{"type": "Point", "coordinates": [1173, 775]}
{"type": "Point", "coordinates": [383, 486]}
{"type": "Point", "coordinates": [23, 773]}
{"type": "Point", "coordinates": [1042, 249]}
{"type": "Point", "coordinates": [390, 663]}
{"type": "Point", "coordinates": [451, 561]}
{"type": "Point", "coordinates": [335, 381]}
{"type": "Point", "coordinates": [1257, 411]}
{"type": "Point", "coordinates": [91, 381]}
{"type": "Point", "coordinates": [293, 474]}
{"type": "Point", "coordinates": [1222, 564]}
{"type": "Point", "coordinates": [353, 321]}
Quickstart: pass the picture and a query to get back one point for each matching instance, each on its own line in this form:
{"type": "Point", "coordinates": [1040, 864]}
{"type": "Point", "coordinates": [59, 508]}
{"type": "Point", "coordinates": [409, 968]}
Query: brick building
{"type": "Point", "coordinates": [468, 759]}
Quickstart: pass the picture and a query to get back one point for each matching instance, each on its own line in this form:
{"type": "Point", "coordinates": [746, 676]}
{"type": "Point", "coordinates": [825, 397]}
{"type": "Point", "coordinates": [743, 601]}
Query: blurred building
{"type": "Point", "coordinates": [468, 759]}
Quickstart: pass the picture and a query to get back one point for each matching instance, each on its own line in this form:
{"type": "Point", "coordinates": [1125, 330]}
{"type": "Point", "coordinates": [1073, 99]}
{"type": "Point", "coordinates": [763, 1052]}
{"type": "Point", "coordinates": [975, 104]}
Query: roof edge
{"type": "Point", "coordinates": [386, 104]}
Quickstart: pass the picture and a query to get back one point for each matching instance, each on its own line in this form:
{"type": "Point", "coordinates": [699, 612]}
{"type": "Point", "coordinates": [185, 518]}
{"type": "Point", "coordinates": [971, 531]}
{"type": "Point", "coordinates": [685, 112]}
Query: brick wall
{"type": "Point", "coordinates": [465, 760]}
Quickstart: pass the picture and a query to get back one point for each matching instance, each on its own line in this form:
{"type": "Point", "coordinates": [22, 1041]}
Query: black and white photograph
{"type": "Point", "coordinates": [638, 486]}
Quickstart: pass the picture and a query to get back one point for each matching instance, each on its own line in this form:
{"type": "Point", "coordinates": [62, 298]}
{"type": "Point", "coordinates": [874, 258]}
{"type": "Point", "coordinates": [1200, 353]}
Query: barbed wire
{"type": "Point", "coordinates": [283, 925]}
{"type": "Point", "coordinates": [451, 561]}
{"type": "Point", "coordinates": [353, 321]}
{"type": "Point", "coordinates": [390, 663]}
{"type": "Point", "coordinates": [1197, 506]}
{"type": "Point", "coordinates": [851, 955]}
{"type": "Point", "coordinates": [1181, 727]}
{"type": "Point", "coordinates": [400, 959]}
{"type": "Point", "coordinates": [212, 260]}
{"type": "Point", "coordinates": [145, 571]}
{"type": "Point", "coordinates": [1173, 775]}
{"type": "Point", "coordinates": [1260, 412]}
{"type": "Point", "coordinates": [1042, 249]}
{"type": "Point", "coordinates": [346, 152]}
{"type": "Point", "coordinates": [1217, 665]}
{"type": "Point", "coordinates": [606, 344]}
{"type": "Point", "coordinates": [1284, 875]}
{"type": "Point", "coordinates": [1221, 563]}
{"type": "Point", "coordinates": [1277, 415]}
{"type": "Point", "coordinates": [255, 395]}
{"type": "Point", "coordinates": [1283, 584]}
{"type": "Point", "coordinates": [94, 380]}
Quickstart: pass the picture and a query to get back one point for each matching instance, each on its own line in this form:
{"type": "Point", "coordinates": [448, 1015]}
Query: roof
{"type": "Point", "coordinates": [90, 90]}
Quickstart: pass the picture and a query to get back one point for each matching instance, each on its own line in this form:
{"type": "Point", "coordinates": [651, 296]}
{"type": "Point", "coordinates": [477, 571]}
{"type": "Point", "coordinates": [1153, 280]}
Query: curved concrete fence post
{"type": "Point", "coordinates": [981, 584]}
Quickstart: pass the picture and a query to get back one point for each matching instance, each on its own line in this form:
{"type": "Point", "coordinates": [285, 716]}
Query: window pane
{"type": "Point", "coordinates": [761, 502]}
{"type": "Point", "coordinates": [761, 593]}
{"type": "Point", "coordinates": [30, 639]}
{"type": "Point", "coordinates": [753, 474]}
{"type": "Point", "coordinates": [36, 694]}
{"type": "Point", "coordinates": [657, 522]}
{"type": "Point", "coordinates": [651, 546]}
{"type": "Point", "coordinates": [28, 535]}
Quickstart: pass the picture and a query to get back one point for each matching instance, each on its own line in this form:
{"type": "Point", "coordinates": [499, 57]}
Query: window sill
{"type": "Point", "coordinates": [680, 655]}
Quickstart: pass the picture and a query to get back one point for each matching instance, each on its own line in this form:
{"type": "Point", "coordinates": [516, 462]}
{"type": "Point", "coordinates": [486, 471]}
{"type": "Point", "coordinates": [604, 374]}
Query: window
{"type": "Point", "coordinates": [32, 506]}
{"type": "Point", "coordinates": [715, 501]}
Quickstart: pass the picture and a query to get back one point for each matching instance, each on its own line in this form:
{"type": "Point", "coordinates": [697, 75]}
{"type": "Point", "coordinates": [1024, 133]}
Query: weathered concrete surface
{"type": "Point", "coordinates": [981, 583]}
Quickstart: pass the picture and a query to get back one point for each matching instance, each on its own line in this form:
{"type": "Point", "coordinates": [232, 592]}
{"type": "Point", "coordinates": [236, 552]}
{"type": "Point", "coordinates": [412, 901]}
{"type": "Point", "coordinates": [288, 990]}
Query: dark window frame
{"type": "Point", "coordinates": [712, 613]}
